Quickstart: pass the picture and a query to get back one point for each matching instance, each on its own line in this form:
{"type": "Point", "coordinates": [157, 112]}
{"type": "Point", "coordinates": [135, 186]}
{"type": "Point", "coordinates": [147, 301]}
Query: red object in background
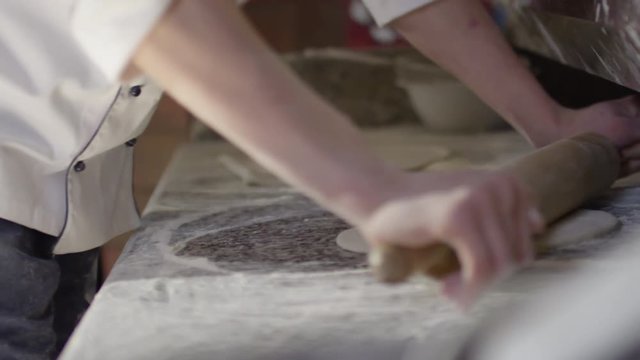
{"type": "Point", "coordinates": [362, 31]}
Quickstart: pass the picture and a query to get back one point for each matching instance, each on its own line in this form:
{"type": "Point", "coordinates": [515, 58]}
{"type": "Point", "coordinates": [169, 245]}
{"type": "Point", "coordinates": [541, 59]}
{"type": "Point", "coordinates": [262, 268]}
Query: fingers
{"type": "Point", "coordinates": [531, 223]}
{"type": "Point", "coordinates": [630, 167]}
{"type": "Point", "coordinates": [453, 287]}
{"type": "Point", "coordinates": [630, 158]}
{"type": "Point", "coordinates": [633, 112]}
{"type": "Point", "coordinates": [500, 229]}
{"type": "Point", "coordinates": [631, 105]}
{"type": "Point", "coordinates": [478, 268]}
{"type": "Point", "coordinates": [518, 219]}
{"type": "Point", "coordinates": [631, 152]}
{"type": "Point", "coordinates": [536, 221]}
{"type": "Point", "coordinates": [499, 239]}
{"type": "Point", "coordinates": [488, 220]}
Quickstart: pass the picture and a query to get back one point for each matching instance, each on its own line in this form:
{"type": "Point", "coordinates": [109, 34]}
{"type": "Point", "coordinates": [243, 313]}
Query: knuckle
{"type": "Point", "coordinates": [376, 232]}
{"type": "Point", "coordinates": [375, 236]}
{"type": "Point", "coordinates": [483, 272]}
{"type": "Point", "coordinates": [461, 215]}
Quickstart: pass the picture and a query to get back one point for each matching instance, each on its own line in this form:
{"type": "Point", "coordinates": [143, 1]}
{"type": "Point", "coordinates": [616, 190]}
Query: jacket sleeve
{"type": "Point", "coordinates": [109, 31]}
{"type": "Point", "coordinates": [385, 11]}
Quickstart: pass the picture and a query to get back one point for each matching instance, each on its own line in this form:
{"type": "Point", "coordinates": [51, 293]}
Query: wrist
{"type": "Point", "coordinates": [362, 196]}
{"type": "Point", "coordinates": [541, 127]}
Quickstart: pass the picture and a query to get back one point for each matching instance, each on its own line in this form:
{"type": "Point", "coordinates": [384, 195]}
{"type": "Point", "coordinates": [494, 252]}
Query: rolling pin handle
{"type": "Point", "coordinates": [390, 264]}
{"type": "Point", "coordinates": [561, 177]}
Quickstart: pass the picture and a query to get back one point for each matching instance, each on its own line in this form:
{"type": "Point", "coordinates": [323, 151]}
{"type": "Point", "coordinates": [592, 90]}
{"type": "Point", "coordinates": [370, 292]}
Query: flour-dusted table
{"type": "Point", "coordinates": [222, 270]}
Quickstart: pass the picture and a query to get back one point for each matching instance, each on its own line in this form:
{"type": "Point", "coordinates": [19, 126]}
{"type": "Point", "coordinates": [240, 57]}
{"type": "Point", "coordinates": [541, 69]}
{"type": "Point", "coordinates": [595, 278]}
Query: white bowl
{"type": "Point", "coordinates": [443, 103]}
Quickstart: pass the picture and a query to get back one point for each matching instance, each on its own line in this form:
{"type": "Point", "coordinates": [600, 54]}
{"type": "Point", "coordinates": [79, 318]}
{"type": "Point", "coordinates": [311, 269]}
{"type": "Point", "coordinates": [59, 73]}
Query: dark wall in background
{"type": "Point", "coordinates": [289, 25]}
{"type": "Point", "coordinates": [572, 87]}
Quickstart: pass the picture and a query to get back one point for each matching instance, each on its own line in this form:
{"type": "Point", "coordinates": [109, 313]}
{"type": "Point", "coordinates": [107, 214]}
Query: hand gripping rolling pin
{"type": "Point", "coordinates": [561, 177]}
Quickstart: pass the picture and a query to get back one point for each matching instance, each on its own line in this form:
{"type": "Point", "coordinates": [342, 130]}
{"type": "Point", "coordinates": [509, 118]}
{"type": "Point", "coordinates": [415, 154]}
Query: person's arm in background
{"type": "Point", "coordinates": [460, 36]}
{"type": "Point", "coordinates": [207, 56]}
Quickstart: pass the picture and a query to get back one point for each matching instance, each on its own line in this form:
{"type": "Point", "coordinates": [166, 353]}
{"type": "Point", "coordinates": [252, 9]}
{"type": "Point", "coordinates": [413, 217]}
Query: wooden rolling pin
{"type": "Point", "coordinates": [561, 176]}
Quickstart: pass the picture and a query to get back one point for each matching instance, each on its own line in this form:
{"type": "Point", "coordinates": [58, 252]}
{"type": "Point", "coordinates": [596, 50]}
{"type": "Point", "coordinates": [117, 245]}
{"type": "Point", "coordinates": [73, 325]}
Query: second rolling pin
{"type": "Point", "coordinates": [561, 177]}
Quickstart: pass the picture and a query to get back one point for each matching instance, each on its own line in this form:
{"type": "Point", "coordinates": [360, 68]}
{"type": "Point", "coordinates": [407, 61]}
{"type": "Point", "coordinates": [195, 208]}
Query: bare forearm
{"type": "Point", "coordinates": [237, 86]}
{"type": "Point", "coordinates": [460, 36]}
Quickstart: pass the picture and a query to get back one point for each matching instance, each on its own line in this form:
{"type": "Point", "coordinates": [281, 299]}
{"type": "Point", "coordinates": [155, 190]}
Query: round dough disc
{"type": "Point", "coordinates": [581, 225]}
{"type": "Point", "coordinates": [408, 157]}
{"type": "Point", "coordinates": [351, 240]}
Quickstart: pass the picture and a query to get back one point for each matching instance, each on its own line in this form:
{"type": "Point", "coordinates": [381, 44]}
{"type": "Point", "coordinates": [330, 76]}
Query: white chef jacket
{"type": "Point", "coordinates": [67, 125]}
{"type": "Point", "coordinates": [385, 11]}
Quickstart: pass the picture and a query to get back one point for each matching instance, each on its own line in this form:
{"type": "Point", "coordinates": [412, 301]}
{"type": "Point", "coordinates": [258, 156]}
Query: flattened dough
{"type": "Point", "coordinates": [460, 163]}
{"type": "Point", "coordinates": [351, 240]}
{"type": "Point", "coordinates": [410, 158]}
{"type": "Point", "coordinates": [581, 225]}
{"type": "Point", "coordinates": [450, 164]}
